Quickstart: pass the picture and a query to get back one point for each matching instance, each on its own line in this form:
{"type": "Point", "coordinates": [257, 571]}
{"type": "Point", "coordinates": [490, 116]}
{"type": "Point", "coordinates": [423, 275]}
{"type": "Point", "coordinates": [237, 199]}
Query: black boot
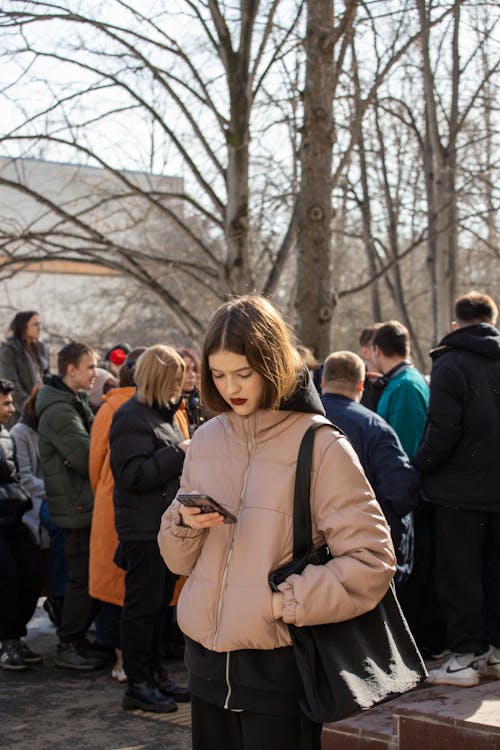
{"type": "Point", "coordinates": [167, 687]}
{"type": "Point", "coordinates": [148, 698]}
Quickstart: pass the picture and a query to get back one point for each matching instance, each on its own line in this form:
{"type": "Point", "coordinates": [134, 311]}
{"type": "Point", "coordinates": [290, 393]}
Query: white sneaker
{"type": "Point", "coordinates": [491, 666]}
{"type": "Point", "coordinates": [462, 670]}
{"type": "Point", "coordinates": [119, 674]}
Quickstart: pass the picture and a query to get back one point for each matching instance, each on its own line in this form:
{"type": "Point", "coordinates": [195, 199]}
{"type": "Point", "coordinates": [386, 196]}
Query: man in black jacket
{"type": "Point", "coordinates": [20, 579]}
{"type": "Point", "coordinates": [459, 462]}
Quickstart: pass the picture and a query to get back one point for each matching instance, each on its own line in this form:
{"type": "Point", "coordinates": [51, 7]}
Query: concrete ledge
{"type": "Point", "coordinates": [434, 718]}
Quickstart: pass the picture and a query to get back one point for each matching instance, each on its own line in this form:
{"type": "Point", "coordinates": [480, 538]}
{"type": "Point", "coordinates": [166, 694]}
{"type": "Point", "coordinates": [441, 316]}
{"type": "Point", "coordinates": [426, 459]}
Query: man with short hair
{"type": "Point", "coordinates": [20, 577]}
{"type": "Point", "coordinates": [405, 397]}
{"type": "Point", "coordinates": [64, 425]}
{"type": "Point", "coordinates": [379, 450]}
{"type": "Point", "coordinates": [374, 381]}
{"type": "Point", "coordinates": [403, 405]}
{"type": "Point", "coordinates": [459, 461]}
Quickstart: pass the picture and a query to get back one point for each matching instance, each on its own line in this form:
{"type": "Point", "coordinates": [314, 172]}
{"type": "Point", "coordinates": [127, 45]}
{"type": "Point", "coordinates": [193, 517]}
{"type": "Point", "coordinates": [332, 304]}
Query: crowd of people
{"type": "Point", "coordinates": [406, 485]}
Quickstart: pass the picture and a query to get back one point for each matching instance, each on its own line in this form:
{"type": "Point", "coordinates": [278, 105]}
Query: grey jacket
{"type": "Point", "coordinates": [31, 477]}
{"type": "Point", "coordinates": [17, 366]}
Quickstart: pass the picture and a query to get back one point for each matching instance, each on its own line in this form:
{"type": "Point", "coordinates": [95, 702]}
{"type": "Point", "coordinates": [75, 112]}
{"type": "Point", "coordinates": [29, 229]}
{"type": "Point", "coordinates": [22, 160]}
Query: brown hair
{"type": "Point", "coordinates": [28, 414]}
{"type": "Point", "coordinates": [158, 375]}
{"type": "Point", "coordinates": [367, 334]}
{"type": "Point", "coordinates": [18, 326]}
{"type": "Point", "coordinates": [251, 326]}
{"type": "Point", "coordinates": [475, 307]}
{"type": "Point", "coordinates": [71, 355]}
{"type": "Point", "coordinates": [344, 369]}
{"type": "Point", "coordinates": [126, 373]}
{"type": "Point", "coordinates": [307, 357]}
{"type": "Point", "coordinates": [392, 338]}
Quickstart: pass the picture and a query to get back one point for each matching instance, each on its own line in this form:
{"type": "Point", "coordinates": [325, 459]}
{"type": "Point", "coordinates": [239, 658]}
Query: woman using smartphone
{"type": "Point", "coordinates": [243, 677]}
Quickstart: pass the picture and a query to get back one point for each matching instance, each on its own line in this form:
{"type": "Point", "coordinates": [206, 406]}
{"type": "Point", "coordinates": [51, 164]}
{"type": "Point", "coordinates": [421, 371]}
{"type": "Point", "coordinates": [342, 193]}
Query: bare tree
{"type": "Point", "coordinates": [315, 300]}
{"type": "Point", "coordinates": [445, 119]}
{"type": "Point", "coordinates": [190, 98]}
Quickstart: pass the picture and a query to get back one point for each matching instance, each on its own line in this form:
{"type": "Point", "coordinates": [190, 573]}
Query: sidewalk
{"type": "Point", "coordinates": [47, 708]}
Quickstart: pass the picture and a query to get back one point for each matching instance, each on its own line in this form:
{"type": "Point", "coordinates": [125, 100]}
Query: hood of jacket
{"type": "Point", "coordinates": [480, 338]}
{"type": "Point", "coordinates": [305, 398]}
{"type": "Point", "coordinates": [115, 397]}
{"type": "Point", "coordinates": [56, 392]}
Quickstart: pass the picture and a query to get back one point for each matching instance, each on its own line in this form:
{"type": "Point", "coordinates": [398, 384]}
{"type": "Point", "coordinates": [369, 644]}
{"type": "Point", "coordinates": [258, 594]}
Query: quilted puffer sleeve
{"type": "Point", "coordinates": [347, 516]}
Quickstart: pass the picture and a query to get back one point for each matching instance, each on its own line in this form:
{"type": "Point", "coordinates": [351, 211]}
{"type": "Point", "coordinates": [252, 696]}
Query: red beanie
{"type": "Point", "coordinates": [117, 356]}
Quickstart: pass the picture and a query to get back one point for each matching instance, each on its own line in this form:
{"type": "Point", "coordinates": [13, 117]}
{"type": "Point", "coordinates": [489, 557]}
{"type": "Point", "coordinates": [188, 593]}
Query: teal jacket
{"type": "Point", "coordinates": [64, 420]}
{"type": "Point", "coordinates": [403, 405]}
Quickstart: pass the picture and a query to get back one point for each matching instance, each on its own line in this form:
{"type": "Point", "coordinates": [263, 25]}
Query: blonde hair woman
{"type": "Point", "coordinates": [238, 646]}
{"type": "Point", "coordinates": [146, 457]}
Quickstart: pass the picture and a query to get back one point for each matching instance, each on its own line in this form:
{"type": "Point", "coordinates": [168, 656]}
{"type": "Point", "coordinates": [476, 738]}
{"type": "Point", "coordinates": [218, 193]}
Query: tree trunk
{"type": "Point", "coordinates": [440, 171]}
{"type": "Point", "coordinates": [236, 214]}
{"type": "Point", "coordinates": [315, 300]}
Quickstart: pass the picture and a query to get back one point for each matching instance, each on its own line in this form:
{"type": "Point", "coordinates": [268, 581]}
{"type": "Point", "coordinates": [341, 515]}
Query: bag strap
{"type": "Point", "coordinates": [302, 524]}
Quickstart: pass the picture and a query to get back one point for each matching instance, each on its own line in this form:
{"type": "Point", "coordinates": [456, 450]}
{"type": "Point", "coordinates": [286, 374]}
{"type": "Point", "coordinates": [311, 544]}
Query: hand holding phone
{"type": "Point", "coordinates": [207, 505]}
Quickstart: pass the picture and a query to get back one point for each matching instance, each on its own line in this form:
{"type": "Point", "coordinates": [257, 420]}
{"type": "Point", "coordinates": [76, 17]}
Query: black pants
{"type": "Point", "coordinates": [149, 586]}
{"type": "Point", "coordinates": [79, 609]}
{"type": "Point", "coordinates": [418, 595]}
{"type": "Point", "coordinates": [468, 577]}
{"type": "Point", "coordinates": [214, 728]}
{"type": "Point", "coordinates": [20, 580]}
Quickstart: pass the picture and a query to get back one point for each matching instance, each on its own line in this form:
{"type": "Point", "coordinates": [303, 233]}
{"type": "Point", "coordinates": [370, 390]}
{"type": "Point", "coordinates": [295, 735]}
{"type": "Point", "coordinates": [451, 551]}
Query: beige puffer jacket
{"type": "Point", "coordinates": [248, 465]}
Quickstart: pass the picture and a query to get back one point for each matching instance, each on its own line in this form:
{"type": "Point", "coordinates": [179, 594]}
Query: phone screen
{"type": "Point", "coordinates": [207, 505]}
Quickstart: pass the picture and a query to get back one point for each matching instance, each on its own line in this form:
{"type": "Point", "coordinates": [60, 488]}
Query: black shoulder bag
{"type": "Point", "coordinates": [353, 665]}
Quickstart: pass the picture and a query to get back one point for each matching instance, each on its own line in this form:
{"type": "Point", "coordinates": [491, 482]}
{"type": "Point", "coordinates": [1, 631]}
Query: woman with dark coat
{"type": "Point", "coordinates": [147, 455]}
{"type": "Point", "coordinates": [24, 359]}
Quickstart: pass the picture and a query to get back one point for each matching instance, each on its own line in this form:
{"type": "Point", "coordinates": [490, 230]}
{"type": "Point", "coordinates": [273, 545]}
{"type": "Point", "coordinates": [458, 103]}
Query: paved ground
{"type": "Point", "coordinates": [46, 708]}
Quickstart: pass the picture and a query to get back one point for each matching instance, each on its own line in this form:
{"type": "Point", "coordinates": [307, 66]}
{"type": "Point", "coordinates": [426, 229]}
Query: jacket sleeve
{"type": "Point", "coordinates": [395, 481]}
{"type": "Point", "coordinates": [136, 461]}
{"type": "Point", "coordinates": [8, 370]}
{"type": "Point", "coordinates": [444, 419]}
{"type": "Point", "coordinates": [99, 443]}
{"type": "Point", "coordinates": [27, 465]}
{"type": "Point", "coordinates": [348, 518]}
{"type": "Point", "coordinates": [180, 546]}
{"type": "Point", "coordinates": [63, 428]}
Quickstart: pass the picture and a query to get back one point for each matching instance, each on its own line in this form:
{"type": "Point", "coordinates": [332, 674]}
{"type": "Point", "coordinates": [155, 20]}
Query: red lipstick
{"type": "Point", "coordinates": [238, 401]}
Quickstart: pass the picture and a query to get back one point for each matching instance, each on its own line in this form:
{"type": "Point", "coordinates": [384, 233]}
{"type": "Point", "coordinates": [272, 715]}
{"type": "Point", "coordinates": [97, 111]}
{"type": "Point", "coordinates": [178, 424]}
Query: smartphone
{"type": "Point", "coordinates": [207, 505]}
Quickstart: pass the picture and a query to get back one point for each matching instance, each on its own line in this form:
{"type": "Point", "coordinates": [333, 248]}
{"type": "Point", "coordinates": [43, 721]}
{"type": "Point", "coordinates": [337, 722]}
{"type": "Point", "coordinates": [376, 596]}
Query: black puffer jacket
{"type": "Point", "coordinates": [146, 465]}
{"type": "Point", "coordinates": [14, 501]}
{"type": "Point", "coordinates": [459, 456]}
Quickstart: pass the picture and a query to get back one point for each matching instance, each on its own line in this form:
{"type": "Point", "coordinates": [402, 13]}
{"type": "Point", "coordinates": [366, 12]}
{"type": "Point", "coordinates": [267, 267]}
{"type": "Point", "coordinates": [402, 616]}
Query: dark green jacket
{"type": "Point", "coordinates": [63, 428]}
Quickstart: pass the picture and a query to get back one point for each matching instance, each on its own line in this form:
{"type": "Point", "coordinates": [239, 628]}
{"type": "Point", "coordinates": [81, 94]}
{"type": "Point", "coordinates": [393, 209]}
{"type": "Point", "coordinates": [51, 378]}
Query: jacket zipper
{"type": "Point", "coordinates": [228, 682]}
{"type": "Point", "coordinates": [226, 565]}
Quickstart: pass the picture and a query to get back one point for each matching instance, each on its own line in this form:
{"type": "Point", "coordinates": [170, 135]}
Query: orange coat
{"type": "Point", "coordinates": [106, 580]}
{"type": "Point", "coordinates": [182, 420]}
